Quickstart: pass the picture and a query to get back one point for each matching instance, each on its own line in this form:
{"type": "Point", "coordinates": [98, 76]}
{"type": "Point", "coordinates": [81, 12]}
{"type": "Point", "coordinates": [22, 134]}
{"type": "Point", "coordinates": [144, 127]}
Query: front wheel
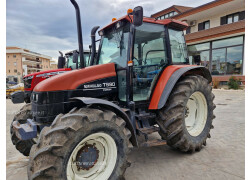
{"type": "Point", "coordinates": [186, 119]}
{"type": "Point", "coordinates": [84, 144]}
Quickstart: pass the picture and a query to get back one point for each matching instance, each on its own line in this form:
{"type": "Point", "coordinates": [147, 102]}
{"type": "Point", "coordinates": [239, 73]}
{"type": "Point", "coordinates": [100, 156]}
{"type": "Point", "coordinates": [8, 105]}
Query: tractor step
{"type": "Point", "coordinates": [155, 142]}
{"type": "Point", "coordinates": [149, 130]}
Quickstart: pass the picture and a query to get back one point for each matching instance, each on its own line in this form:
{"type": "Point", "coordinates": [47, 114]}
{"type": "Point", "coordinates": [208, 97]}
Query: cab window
{"type": "Point", "coordinates": [149, 58]}
{"type": "Point", "coordinates": [114, 46]}
{"type": "Point", "coordinates": [178, 46]}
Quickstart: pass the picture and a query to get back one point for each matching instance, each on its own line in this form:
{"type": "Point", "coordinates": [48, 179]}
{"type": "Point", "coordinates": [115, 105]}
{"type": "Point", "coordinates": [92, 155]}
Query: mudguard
{"type": "Point", "coordinates": [115, 108]}
{"type": "Point", "coordinates": [168, 79]}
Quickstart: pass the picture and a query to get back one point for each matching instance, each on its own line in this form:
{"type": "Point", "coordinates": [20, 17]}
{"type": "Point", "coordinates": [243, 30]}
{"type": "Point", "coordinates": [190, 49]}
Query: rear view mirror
{"type": "Point", "coordinates": [75, 57]}
{"type": "Point", "coordinates": [138, 16]}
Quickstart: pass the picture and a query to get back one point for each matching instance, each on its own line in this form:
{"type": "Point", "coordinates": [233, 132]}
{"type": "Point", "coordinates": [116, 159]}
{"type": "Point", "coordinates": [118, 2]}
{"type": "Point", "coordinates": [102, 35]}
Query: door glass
{"type": "Point", "coordinates": [149, 58]}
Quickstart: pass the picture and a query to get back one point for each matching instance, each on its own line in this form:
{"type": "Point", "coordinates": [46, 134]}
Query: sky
{"type": "Point", "coordinates": [47, 26]}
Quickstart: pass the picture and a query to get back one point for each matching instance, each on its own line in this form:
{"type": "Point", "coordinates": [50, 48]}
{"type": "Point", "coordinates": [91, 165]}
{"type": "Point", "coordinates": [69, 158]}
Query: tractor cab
{"type": "Point", "coordinates": [70, 60]}
{"type": "Point", "coordinates": [141, 52]}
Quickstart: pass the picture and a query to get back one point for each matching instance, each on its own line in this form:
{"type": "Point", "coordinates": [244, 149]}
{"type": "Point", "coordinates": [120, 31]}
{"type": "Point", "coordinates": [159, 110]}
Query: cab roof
{"type": "Point", "coordinates": [178, 24]}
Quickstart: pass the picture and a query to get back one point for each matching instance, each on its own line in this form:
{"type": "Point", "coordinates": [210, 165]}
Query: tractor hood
{"type": "Point", "coordinates": [74, 79]}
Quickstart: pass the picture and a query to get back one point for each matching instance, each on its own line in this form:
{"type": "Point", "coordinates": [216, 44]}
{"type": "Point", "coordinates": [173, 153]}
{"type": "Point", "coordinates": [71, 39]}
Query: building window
{"type": "Point", "coordinates": [231, 18]}
{"type": "Point", "coordinates": [207, 25]}
{"type": "Point", "coordinates": [204, 25]}
{"type": "Point", "coordinates": [14, 56]}
{"type": "Point", "coordinates": [234, 60]}
{"type": "Point", "coordinates": [228, 42]}
{"type": "Point", "coordinates": [188, 30]}
{"type": "Point", "coordinates": [14, 63]}
{"type": "Point", "coordinates": [165, 16]}
{"type": "Point", "coordinates": [15, 70]}
{"type": "Point", "coordinates": [219, 61]}
{"type": "Point", "coordinates": [9, 71]}
{"type": "Point", "coordinates": [200, 52]}
{"type": "Point", "coordinates": [226, 59]}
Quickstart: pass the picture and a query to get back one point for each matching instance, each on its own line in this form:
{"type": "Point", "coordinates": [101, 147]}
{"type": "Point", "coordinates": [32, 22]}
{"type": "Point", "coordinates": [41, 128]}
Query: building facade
{"type": "Point", "coordinates": [216, 36]}
{"type": "Point", "coordinates": [20, 62]}
{"type": "Point", "coordinates": [53, 64]}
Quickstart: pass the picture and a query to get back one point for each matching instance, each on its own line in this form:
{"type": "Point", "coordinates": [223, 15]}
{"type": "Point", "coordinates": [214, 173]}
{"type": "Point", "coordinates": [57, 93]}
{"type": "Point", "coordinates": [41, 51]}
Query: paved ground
{"type": "Point", "coordinates": [222, 158]}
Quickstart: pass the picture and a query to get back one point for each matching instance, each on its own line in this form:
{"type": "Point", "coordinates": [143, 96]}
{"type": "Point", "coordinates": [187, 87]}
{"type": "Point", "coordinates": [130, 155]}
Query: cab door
{"type": "Point", "coordinates": [150, 56]}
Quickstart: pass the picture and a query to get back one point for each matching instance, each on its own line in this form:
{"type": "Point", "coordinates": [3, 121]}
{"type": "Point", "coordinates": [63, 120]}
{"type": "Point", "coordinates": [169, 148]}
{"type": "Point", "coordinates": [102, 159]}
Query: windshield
{"type": "Point", "coordinates": [178, 46]}
{"type": "Point", "coordinates": [114, 46]}
{"type": "Point", "coordinates": [72, 65]}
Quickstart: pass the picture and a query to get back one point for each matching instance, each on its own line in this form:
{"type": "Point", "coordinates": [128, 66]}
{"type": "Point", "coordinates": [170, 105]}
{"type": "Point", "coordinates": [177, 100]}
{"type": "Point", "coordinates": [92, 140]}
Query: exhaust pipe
{"type": "Point", "coordinates": [79, 32]}
{"type": "Point", "coordinates": [93, 44]}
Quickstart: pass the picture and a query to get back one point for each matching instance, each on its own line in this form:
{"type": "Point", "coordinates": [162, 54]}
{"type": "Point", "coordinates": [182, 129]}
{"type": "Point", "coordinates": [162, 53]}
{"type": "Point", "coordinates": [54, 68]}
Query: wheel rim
{"type": "Point", "coordinates": [93, 158]}
{"type": "Point", "coordinates": [196, 113]}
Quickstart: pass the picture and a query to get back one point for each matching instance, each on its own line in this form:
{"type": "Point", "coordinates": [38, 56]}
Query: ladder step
{"type": "Point", "coordinates": [155, 142]}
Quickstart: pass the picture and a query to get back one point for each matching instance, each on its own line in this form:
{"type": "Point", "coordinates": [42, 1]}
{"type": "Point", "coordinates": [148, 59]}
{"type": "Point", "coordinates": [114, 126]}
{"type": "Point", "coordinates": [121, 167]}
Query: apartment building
{"type": "Point", "coordinates": [53, 64]}
{"type": "Point", "coordinates": [20, 62]}
{"type": "Point", "coordinates": [215, 35]}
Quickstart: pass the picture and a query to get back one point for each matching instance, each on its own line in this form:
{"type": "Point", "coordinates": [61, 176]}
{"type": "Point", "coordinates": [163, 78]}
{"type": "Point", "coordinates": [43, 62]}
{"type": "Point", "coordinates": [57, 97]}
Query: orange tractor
{"type": "Point", "coordinates": [82, 124]}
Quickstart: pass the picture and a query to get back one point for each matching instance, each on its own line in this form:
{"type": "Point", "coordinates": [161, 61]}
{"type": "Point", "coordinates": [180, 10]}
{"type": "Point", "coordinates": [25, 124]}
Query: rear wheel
{"type": "Point", "coordinates": [86, 143]}
{"type": "Point", "coordinates": [186, 119]}
{"type": "Point", "coordinates": [23, 146]}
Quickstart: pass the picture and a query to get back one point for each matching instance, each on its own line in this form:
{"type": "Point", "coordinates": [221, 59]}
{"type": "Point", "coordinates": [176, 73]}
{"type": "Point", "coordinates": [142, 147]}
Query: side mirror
{"type": "Point", "coordinates": [138, 16]}
{"type": "Point", "coordinates": [75, 57]}
{"type": "Point", "coordinates": [61, 61]}
{"type": "Point", "coordinates": [197, 59]}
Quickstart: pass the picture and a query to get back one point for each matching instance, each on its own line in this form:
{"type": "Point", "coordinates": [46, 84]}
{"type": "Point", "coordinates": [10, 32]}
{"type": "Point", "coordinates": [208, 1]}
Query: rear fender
{"type": "Point", "coordinates": [168, 79]}
{"type": "Point", "coordinates": [111, 106]}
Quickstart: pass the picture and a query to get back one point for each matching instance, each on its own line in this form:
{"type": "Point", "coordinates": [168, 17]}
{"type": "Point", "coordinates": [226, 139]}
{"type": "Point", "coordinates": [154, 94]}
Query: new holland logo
{"type": "Point", "coordinates": [100, 86]}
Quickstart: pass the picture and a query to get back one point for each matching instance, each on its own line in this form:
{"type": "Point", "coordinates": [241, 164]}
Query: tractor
{"type": "Point", "coordinates": [31, 80]}
{"type": "Point", "coordinates": [83, 123]}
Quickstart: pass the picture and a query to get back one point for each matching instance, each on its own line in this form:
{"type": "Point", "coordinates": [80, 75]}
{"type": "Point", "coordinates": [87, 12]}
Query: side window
{"type": "Point", "coordinates": [149, 58]}
{"type": "Point", "coordinates": [178, 46]}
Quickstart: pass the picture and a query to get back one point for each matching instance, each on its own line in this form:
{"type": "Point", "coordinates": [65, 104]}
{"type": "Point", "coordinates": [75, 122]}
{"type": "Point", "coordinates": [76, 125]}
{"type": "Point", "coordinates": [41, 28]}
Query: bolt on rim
{"type": "Point", "coordinates": [196, 113]}
{"type": "Point", "coordinates": [93, 158]}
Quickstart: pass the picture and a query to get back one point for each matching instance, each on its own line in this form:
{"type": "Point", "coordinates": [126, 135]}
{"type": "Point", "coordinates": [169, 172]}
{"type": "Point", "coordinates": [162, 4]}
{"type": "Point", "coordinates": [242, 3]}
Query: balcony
{"type": "Point", "coordinates": [33, 67]}
{"type": "Point", "coordinates": [219, 31]}
{"type": "Point", "coordinates": [29, 61]}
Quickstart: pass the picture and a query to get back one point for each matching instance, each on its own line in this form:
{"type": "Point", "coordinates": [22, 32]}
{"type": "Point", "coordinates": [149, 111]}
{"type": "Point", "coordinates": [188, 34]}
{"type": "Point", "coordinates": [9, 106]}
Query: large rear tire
{"type": "Point", "coordinates": [23, 146]}
{"type": "Point", "coordinates": [83, 144]}
{"type": "Point", "coordinates": [186, 119]}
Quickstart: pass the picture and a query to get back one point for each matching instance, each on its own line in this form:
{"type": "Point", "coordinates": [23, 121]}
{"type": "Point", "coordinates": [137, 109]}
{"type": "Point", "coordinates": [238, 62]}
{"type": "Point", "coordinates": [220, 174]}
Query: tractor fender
{"type": "Point", "coordinates": [168, 79]}
{"type": "Point", "coordinates": [116, 109]}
